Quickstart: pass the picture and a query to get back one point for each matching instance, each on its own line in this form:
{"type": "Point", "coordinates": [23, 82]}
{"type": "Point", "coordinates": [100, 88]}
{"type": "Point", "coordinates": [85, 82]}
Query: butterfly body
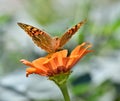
{"type": "Point", "coordinates": [45, 41]}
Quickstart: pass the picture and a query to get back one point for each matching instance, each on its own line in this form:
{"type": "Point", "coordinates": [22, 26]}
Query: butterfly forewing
{"type": "Point", "coordinates": [67, 35]}
{"type": "Point", "coordinates": [45, 41]}
{"type": "Point", "coordinates": [40, 38]}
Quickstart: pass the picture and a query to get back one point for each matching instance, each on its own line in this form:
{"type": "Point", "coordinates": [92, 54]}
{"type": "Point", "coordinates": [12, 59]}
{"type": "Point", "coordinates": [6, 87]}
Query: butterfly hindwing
{"type": "Point", "coordinates": [67, 35]}
{"type": "Point", "coordinates": [40, 38]}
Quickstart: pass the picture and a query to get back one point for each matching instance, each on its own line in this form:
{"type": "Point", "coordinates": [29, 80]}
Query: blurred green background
{"type": "Point", "coordinates": [95, 78]}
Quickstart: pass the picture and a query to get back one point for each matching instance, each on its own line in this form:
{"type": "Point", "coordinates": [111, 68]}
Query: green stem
{"type": "Point", "coordinates": [64, 91]}
{"type": "Point", "coordinates": [61, 80]}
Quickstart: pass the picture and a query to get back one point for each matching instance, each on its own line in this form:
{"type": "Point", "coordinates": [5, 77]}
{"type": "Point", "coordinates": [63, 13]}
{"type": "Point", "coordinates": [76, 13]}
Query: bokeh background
{"type": "Point", "coordinates": [95, 78]}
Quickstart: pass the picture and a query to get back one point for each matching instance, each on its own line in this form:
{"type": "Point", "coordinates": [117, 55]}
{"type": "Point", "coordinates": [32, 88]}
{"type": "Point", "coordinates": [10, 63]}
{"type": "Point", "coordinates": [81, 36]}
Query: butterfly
{"type": "Point", "coordinates": [45, 41]}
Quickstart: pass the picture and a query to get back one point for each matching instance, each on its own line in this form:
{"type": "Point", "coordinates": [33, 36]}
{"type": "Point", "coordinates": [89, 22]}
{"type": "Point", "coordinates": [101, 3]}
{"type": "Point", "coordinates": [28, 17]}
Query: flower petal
{"type": "Point", "coordinates": [38, 62]}
{"type": "Point", "coordinates": [34, 67]}
{"type": "Point", "coordinates": [77, 54]}
{"type": "Point", "coordinates": [34, 70]}
{"type": "Point", "coordinates": [58, 57]}
{"type": "Point", "coordinates": [84, 49]}
{"type": "Point", "coordinates": [62, 53]}
{"type": "Point", "coordinates": [77, 49]}
{"type": "Point", "coordinates": [26, 62]}
{"type": "Point", "coordinates": [71, 62]}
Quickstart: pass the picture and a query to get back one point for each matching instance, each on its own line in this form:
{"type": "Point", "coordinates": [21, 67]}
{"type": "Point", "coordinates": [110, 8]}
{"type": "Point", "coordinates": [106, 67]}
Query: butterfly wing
{"type": "Point", "coordinates": [67, 35]}
{"type": "Point", "coordinates": [40, 38]}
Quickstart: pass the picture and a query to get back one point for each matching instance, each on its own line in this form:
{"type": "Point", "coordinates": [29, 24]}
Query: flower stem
{"type": "Point", "coordinates": [61, 80]}
{"type": "Point", "coordinates": [64, 91]}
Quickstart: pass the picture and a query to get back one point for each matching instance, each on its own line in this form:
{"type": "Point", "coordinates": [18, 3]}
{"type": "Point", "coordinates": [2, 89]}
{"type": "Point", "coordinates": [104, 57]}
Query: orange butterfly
{"type": "Point", "coordinates": [45, 41]}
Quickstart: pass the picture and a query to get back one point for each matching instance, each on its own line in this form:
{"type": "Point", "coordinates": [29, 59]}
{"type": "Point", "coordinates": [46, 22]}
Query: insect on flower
{"type": "Point", "coordinates": [45, 41]}
{"type": "Point", "coordinates": [59, 62]}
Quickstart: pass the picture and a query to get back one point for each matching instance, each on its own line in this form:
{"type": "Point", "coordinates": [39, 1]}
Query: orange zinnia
{"type": "Point", "coordinates": [58, 62]}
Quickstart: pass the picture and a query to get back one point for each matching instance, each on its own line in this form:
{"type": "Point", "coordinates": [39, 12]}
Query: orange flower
{"type": "Point", "coordinates": [58, 62]}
